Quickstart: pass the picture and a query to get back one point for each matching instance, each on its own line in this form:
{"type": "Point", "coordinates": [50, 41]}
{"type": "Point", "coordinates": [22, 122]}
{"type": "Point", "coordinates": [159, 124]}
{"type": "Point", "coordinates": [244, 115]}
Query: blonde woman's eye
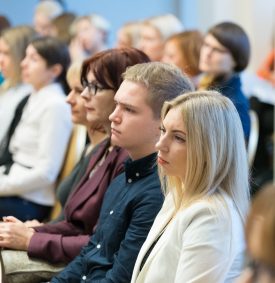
{"type": "Point", "coordinates": [180, 139]}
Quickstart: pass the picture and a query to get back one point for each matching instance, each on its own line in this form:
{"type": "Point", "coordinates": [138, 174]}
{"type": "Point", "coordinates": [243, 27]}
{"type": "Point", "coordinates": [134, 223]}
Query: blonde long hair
{"type": "Point", "coordinates": [17, 38]}
{"type": "Point", "coordinates": [216, 153]}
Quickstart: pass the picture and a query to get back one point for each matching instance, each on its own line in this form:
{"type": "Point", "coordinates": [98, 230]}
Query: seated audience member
{"type": "Point", "coordinates": [267, 69]}
{"type": "Point", "coordinates": [260, 238]}
{"type": "Point", "coordinates": [89, 36]}
{"type": "Point", "coordinates": [39, 142]}
{"type": "Point", "coordinates": [45, 12]}
{"type": "Point", "coordinates": [128, 35]}
{"type": "Point", "coordinates": [96, 135]}
{"type": "Point", "coordinates": [198, 236]}
{"type": "Point", "coordinates": [4, 23]}
{"type": "Point", "coordinates": [134, 198]}
{"type": "Point", "coordinates": [154, 32]}
{"type": "Point", "coordinates": [60, 27]}
{"type": "Point", "coordinates": [13, 44]}
{"type": "Point", "coordinates": [101, 77]}
{"type": "Point", "coordinates": [224, 54]}
{"type": "Point", "coordinates": [183, 50]}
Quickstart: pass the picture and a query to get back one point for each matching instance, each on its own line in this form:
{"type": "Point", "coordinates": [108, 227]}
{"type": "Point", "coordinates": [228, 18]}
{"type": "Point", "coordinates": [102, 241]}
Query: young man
{"type": "Point", "coordinates": [134, 198]}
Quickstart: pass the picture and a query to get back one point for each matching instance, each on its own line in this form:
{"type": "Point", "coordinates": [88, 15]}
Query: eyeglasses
{"type": "Point", "coordinates": [93, 88]}
{"type": "Point", "coordinates": [214, 49]}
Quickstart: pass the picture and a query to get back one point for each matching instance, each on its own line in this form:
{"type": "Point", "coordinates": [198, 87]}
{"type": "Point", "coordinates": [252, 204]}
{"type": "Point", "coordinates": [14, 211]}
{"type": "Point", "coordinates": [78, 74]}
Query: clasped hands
{"type": "Point", "coordinates": [14, 234]}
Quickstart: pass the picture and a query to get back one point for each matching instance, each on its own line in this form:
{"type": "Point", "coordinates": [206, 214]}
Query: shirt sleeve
{"type": "Point", "coordinates": [54, 133]}
{"type": "Point", "coordinates": [59, 242]}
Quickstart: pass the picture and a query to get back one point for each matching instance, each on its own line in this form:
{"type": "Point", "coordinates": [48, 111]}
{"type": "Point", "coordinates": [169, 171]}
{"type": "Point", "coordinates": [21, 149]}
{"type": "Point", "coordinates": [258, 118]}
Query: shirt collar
{"type": "Point", "coordinates": [137, 169]}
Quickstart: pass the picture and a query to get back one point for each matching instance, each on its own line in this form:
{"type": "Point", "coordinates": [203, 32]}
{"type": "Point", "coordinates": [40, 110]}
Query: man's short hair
{"type": "Point", "coordinates": [163, 81]}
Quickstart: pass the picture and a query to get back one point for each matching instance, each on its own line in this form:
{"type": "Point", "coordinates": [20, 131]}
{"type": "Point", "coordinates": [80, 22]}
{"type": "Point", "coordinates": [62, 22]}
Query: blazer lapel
{"type": "Point", "coordinates": [76, 197]}
{"type": "Point", "coordinates": [162, 220]}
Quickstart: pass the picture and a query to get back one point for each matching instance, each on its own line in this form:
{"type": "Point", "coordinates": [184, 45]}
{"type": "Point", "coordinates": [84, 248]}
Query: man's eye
{"type": "Point", "coordinates": [129, 110]}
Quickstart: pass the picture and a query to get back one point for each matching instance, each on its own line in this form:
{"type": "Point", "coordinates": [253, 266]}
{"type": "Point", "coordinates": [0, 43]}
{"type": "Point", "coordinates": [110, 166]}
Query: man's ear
{"type": "Point", "coordinates": [56, 70]}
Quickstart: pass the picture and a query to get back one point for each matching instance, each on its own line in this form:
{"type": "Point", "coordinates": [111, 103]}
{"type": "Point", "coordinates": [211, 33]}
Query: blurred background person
{"type": "Point", "coordinates": [183, 50]}
{"type": "Point", "coordinates": [154, 32]}
{"type": "Point", "coordinates": [4, 23]}
{"type": "Point", "coordinates": [60, 27]}
{"type": "Point", "coordinates": [39, 142]}
{"type": "Point", "coordinates": [13, 44]}
{"type": "Point", "coordinates": [128, 35]}
{"type": "Point", "coordinates": [45, 11]}
{"type": "Point", "coordinates": [224, 54]}
{"type": "Point", "coordinates": [260, 238]}
{"type": "Point", "coordinates": [89, 36]}
{"type": "Point", "coordinates": [95, 135]}
{"type": "Point", "coordinates": [267, 69]}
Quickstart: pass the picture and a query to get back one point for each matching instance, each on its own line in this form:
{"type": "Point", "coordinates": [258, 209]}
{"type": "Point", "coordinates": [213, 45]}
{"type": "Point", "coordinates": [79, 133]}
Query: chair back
{"type": "Point", "coordinates": [253, 137]}
{"type": "Point", "coordinates": [74, 151]}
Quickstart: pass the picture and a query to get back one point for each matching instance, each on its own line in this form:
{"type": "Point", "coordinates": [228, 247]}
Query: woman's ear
{"type": "Point", "coordinates": [56, 70]}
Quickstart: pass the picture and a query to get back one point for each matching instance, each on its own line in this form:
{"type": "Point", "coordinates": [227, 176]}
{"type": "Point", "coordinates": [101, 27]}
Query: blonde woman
{"type": "Point", "coordinates": [198, 236]}
{"type": "Point", "coordinates": [154, 32]}
{"type": "Point", "coordinates": [128, 35]}
{"type": "Point", "coordinates": [45, 11]}
{"type": "Point", "coordinates": [13, 44]}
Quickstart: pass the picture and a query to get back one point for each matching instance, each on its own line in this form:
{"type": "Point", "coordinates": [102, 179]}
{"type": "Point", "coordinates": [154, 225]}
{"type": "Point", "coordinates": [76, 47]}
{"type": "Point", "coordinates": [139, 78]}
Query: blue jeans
{"type": "Point", "coordinates": [23, 209]}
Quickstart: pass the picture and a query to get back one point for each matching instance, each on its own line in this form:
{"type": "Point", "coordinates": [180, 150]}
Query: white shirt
{"type": "Point", "coordinates": [203, 243]}
{"type": "Point", "coordinates": [38, 147]}
{"type": "Point", "coordinates": [8, 103]}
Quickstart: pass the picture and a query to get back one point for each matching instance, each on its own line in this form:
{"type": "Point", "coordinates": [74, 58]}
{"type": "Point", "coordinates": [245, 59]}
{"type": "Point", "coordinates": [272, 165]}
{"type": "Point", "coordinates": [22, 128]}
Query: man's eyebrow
{"type": "Point", "coordinates": [126, 104]}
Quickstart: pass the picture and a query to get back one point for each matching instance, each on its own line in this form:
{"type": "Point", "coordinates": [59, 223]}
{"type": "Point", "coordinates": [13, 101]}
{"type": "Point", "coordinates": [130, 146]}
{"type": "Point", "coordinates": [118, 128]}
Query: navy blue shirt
{"type": "Point", "coordinates": [232, 89]}
{"type": "Point", "coordinates": [129, 208]}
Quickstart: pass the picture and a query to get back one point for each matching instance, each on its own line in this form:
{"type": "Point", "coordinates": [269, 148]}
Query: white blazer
{"type": "Point", "coordinates": [203, 243]}
{"type": "Point", "coordinates": [38, 147]}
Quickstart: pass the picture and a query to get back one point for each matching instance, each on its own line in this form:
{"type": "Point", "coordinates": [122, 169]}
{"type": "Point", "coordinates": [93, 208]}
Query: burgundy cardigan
{"type": "Point", "coordinates": [62, 241]}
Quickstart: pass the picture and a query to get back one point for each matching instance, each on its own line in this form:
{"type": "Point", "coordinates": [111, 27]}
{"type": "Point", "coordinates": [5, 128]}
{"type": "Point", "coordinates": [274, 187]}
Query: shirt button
{"type": "Point", "coordinates": [111, 212]}
{"type": "Point", "coordinates": [137, 174]}
{"type": "Point", "coordinates": [84, 277]}
{"type": "Point", "coordinates": [98, 246]}
{"type": "Point", "coordinates": [129, 180]}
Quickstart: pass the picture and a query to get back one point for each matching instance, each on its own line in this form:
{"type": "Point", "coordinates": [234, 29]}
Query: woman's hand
{"type": "Point", "coordinates": [14, 234]}
{"type": "Point", "coordinates": [33, 223]}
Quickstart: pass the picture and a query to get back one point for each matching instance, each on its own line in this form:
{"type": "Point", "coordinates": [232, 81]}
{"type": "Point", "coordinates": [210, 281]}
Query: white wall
{"type": "Point", "coordinates": [255, 16]}
{"type": "Point", "coordinates": [116, 11]}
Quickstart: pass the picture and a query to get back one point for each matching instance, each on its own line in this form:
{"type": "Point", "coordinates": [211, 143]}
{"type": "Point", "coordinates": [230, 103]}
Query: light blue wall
{"type": "Point", "coordinates": [116, 11]}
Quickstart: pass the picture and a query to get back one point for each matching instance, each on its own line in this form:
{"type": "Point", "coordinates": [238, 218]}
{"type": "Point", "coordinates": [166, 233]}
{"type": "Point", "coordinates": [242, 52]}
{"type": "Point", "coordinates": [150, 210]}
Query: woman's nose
{"type": "Point", "coordinates": [70, 97]}
{"type": "Point", "coordinates": [85, 94]}
{"type": "Point", "coordinates": [162, 144]}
